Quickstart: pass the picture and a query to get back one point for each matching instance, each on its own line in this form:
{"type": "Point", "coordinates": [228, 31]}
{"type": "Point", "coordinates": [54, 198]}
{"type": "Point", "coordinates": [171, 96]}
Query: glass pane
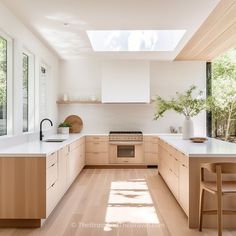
{"type": "Point", "coordinates": [125, 151]}
{"type": "Point", "coordinates": [3, 86]}
{"type": "Point", "coordinates": [25, 92]}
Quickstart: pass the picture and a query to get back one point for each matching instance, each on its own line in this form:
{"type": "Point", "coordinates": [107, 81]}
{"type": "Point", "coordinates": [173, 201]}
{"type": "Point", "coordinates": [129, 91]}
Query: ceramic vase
{"type": "Point", "coordinates": [188, 129]}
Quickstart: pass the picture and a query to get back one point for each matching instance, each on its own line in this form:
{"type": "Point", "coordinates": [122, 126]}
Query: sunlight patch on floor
{"type": "Point", "coordinates": [130, 202]}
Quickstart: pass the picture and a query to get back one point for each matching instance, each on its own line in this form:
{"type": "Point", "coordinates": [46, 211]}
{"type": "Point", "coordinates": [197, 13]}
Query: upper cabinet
{"type": "Point", "coordinates": [125, 82]}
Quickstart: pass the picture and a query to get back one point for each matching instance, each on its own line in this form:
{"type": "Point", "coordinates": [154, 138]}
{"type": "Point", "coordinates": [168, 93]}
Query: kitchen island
{"type": "Point", "coordinates": [179, 165]}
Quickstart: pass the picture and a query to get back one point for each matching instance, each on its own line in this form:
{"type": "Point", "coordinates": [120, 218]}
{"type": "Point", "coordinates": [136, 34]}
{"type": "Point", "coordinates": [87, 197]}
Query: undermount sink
{"type": "Point", "coordinates": [54, 140]}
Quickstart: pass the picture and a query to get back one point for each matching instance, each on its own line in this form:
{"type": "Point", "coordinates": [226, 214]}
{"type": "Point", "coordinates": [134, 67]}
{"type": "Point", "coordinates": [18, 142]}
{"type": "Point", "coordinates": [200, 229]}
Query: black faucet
{"type": "Point", "coordinates": [41, 123]}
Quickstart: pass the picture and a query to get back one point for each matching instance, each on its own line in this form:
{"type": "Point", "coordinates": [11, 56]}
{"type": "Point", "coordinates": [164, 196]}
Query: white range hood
{"type": "Point", "coordinates": [125, 82]}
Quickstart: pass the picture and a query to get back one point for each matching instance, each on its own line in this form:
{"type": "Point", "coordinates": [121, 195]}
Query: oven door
{"type": "Point", "coordinates": [126, 152]}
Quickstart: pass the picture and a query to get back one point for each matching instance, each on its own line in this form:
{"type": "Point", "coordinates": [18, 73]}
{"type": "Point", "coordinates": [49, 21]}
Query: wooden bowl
{"type": "Point", "coordinates": [199, 139]}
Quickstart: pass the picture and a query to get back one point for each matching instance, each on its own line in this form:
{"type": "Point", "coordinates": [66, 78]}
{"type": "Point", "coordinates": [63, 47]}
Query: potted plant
{"type": "Point", "coordinates": [64, 128]}
{"type": "Point", "coordinates": [184, 103]}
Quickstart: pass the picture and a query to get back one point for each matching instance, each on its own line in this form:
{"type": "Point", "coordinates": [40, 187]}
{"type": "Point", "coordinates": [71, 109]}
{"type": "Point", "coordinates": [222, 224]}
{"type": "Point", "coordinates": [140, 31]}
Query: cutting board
{"type": "Point", "coordinates": [75, 122]}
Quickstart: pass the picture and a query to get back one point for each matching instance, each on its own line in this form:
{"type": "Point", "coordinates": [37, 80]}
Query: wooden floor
{"type": "Point", "coordinates": [116, 202]}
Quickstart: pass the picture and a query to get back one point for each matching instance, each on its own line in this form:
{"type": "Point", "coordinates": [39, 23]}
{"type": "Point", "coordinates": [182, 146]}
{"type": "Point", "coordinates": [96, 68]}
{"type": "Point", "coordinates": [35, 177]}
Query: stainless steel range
{"type": "Point", "coordinates": [126, 147]}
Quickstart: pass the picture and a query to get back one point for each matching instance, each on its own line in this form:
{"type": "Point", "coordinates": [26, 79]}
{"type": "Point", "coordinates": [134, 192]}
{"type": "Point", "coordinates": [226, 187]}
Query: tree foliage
{"type": "Point", "coordinates": [189, 103]}
{"type": "Point", "coordinates": [3, 71]}
{"type": "Point", "coordinates": [223, 99]}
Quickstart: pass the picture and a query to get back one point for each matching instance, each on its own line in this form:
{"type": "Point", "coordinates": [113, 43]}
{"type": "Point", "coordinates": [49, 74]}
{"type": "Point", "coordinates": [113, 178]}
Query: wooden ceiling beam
{"type": "Point", "coordinates": [215, 35]}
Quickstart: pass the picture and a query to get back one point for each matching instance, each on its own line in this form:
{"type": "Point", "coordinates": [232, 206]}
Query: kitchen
{"type": "Point", "coordinates": [120, 155]}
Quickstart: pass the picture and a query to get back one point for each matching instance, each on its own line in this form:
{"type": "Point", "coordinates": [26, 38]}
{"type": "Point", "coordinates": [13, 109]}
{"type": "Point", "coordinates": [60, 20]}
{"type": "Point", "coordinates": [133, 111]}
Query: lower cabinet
{"type": "Point", "coordinates": [151, 150]}
{"type": "Point", "coordinates": [173, 167]}
{"type": "Point", "coordinates": [64, 166]}
{"type": "Point", "coordinates": [183, 187]}
{"type": "Point", "coordinates": [63, 170]}
{"type": "Point", "coordinates": [76, 158]}
{"type": "Point", "coordinates": [97, 150]}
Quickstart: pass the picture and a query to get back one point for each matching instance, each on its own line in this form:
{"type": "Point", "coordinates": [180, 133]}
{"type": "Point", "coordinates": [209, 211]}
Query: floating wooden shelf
{"type": "Point", "coordinates": [79, 102]}
{"type": "Point", "coordinates": [95, 102]}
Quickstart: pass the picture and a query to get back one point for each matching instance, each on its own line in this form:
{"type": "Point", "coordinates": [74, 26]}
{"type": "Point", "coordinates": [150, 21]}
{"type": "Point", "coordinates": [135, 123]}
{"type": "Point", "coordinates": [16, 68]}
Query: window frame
{"type": "Point", "coordinates": [31, 90]}
{"type": "Point", "coordinates": [10, 58]}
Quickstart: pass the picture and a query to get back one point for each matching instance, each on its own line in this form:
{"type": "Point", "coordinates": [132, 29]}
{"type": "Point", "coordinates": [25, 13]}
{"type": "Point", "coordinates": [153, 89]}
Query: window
{"type": "Point", "coordinates": [28, 91]}
{"type": "Point", "coordinates": [135, 40]}
{"type": "Point", "coordinates": [25, 93]}
{"type": "Point", "coordinates": [44, 75]}
{"type": "Point", "coordinates": [5, 84]}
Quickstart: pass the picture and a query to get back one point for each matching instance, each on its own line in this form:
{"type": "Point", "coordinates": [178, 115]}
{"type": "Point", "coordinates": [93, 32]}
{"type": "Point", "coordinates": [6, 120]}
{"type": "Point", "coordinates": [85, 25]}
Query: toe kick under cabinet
{"type": "Point", "coordinates": [32, 186]}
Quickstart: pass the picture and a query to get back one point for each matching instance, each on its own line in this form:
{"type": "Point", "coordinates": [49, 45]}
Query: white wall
{"type": "Point", "coordinates": [82, 79]}
{"type": "Point", "coordinates": [25, 39]}
{"type": "Point", "coordinates": [130, 77]}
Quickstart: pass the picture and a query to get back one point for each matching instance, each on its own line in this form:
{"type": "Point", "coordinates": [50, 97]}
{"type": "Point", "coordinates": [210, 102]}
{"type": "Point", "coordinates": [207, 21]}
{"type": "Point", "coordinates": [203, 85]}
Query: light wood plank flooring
{"type": "Point", "coordinates": [116, 202]}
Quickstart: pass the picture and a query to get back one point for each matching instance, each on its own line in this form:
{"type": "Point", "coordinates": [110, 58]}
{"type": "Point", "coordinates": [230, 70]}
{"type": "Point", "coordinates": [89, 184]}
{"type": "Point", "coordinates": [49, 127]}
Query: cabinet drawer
{"type": "Point", "coordinates": [151, 147]}
{"type": "Point", "coordinates": [96, 158]}
{"type": "Point", "coordinates": [183, 159]}
{"type": "Point", "coordinates": [74, 145]}
{"type": "Point", "coordinates": [65, 151]}
{"type": "Point", "coordinates": [176, 166]}
{"type": "Point", "coordinates": [82, 141]}
{"type": "Point", "coordinates": [151, 158]}
{"type": "Point", "coordinates": [151, 139]}
{"type": "Point", "coordinates": [51, 159]}
{"type": "Point", "coordinates": [51, 175]}
{"type": "Point", "coordinates": [175, 185]}
{"type": "Point", "coordinates": [52, 198]}
{"type": "Point", "coordinates": [99, 138]}
{"type": "Point", "coordinates": [97, 146]}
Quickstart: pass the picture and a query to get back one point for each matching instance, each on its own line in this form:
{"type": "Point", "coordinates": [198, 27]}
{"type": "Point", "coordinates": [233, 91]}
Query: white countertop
{"type": "Point", "coordinates": [38, 148]}
{"type": "Point", "coordinates": [211, 148]}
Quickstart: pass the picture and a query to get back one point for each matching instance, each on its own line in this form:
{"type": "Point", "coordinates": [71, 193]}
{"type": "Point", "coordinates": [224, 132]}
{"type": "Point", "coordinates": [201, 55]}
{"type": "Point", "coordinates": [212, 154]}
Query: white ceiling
{"type": "Point", "coordinates": [46, 18]}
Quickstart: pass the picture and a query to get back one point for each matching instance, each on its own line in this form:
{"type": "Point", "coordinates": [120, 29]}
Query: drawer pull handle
{"type": "Point", "coordinates": [52, 184]}
{"type": "Point", "coordinates": [183, 165]}
{"type": "Point", "coordinates": [96, 143]}
{"type": "Point", "coordinates": [52, 165]}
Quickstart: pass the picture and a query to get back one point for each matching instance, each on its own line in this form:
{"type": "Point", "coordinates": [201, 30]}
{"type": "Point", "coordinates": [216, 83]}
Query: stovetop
{"type": "Point", "coordinates": [126, 132]}
{"type": "Point", "coordinates": [126, 136]}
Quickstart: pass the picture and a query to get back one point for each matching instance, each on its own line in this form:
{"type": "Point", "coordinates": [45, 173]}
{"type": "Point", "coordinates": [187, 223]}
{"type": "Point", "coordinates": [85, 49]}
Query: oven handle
{"type": "Point", "coordinates": [125, 143]}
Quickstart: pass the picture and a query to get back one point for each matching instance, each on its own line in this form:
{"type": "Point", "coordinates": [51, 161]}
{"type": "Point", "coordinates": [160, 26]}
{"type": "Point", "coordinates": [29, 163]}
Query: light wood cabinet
{"type": "Point", "coordinates": [97, 150]}
{"type": "Point", "coordinates": [76, 159]}
{"type": "Point", "coordinates": [184, 187]}
{"type": "Point", "coordinates": [32, 186]}
{"type": "Point", "coordinates": [151, 150]}
{"type": "Point", "coordinates": [63, 170]}
{"type": "Point", "coordinates": [52, 197]}
{"type": "Point", "coordinates": [173, 166]}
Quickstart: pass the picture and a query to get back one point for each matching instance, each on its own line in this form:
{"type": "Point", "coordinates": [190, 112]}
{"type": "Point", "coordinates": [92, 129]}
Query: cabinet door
{"type": "Point", "coordinates": [82, 156]}
{"type": "Point", "coordinates": [184, 187]}
{"type": "Point", "coordinates": [62, 171]}
{"type": "Point", "coordinates": [151, 158]}
{"type": "Point", "coordinates": [74, 164]}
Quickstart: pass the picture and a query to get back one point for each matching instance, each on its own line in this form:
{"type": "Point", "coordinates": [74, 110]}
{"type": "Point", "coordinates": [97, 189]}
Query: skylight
{"type": "Point", "coordinates": [134, 40]}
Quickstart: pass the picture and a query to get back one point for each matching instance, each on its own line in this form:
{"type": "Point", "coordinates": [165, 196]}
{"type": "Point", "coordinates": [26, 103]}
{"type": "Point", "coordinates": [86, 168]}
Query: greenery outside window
{"type": "Point", "coordinates": [5, 84]}
{"type": "Point", "coordinates": [222, 88]}
{"type": "Point", "coordinates": [28, 99]}
{"type": "Point", "coordinates": [25, 92]}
